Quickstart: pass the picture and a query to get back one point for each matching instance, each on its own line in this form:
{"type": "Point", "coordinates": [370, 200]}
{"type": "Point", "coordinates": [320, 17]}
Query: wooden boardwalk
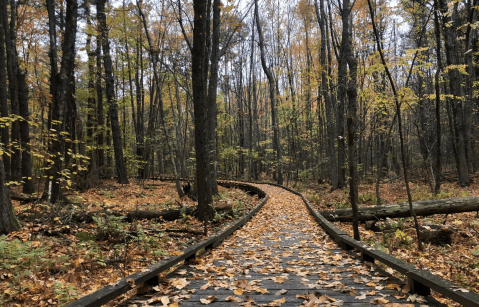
{"type": "Point", "coordinates": [280, 258]}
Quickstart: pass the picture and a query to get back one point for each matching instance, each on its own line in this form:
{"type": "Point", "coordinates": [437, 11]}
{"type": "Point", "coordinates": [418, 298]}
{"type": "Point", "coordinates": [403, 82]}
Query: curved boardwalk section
{"type": "Point", "coordinates": [280, 258]}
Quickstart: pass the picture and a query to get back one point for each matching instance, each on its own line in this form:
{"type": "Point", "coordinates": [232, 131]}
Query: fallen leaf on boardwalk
{"type": "Point", "coordinates": [205, 286]}
{"type": "Point", "coordinates": [337, 257]}
{"type": "Point", "coordinates": [362, 296]}
{"type": "Point", "coordinates": [281, 292]}
{"type": "Point", "coordinates": [243, 283]}
{"type": "Point", "coordinates": [393, 286]}
{"type": "Point", "coordinates": [398, 305]}
{"type": "Point", "coordinates": [314, 299]}
{"type": "Point", "coordinates": [278, 279]}
{"type": "Point", "coordinates": [371, 284]}
{"type": "Point", "coordinates": [263, 291]}
{"type": "Point", "coordinates": [208, 300]}
{"type": "Point", "coordinates": [406, 288]}
{"type": "Point", "coordinates": [332, 285]}
{"type": "Point", "coordinates": [249, 302]}
{"type": "Point", "coordinates": [173, 305]}
{"type": "Point", "coordinates": [234, 299]}
{"type": "Point", "coordinates": [180, 283]}
{"type": "Point", "coordinates": [182, 273]}
{"type": "Point", "coordinates": [379, 301]}
{"type": "Point", "coordinates": [277, 302]}
{"type": "Point", "coordinates": [238, 291]}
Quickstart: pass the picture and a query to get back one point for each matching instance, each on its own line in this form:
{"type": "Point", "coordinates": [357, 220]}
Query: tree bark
{"type": "Point", "coordinates": [5, 136]}
{"type": "Point", "coordinates": [422, 208]}
{"type": "Point", "coordinates": [330, 125]}
{"type": "Point", "coordinates": [437, 148]}
{"type": "Point", "coordinates": [91, 102]}
{"type": "Point", "coordinates": [110, 94]}
{"type": "Point", "coordinates": [352, 110]}
{"type": "Point", "coordinates": [456, 87]}
{"type": "Point", "coordinates": [100, 120]}
{"type": "Point", "coordinates": [205, 197]}
{"type": "Point", "coordinates": [8, 221]}
{"type": "Point", "coordinates": [211, 113]}
{"type": "Point", "coordinates": [12, 66]}
{"type": "Point", "coordinates": [25, 133]}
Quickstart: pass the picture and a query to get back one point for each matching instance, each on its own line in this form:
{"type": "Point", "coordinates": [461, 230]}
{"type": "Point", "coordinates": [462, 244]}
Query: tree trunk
{"type": "Point", "coordinates": [8, 221]}
{"type": "Point", "coordinates": [455, 85]}
{"type": "Point", "coordinates": [437, 151]}
{"type": "Point", "coordinates": [110, 94]}
{"type": "Point", "coordinates": [205, 197]}
{"type": "Point", "coordinates": [12, 66]}
{"type": "Point", "coordinates": [91, 90]}
{"type": "Point", "coordinates": [422, 208]}
{"type": "Point", "coordinates": [5, 137]}
{"type": "Point", "coordinates": [25, 133]}
{"type": "Point", "coordinates": [211, 113]}
{"type": "Point", "coordinates": [331, 131]}
{"type": "Point", "coordinates": [100, 120]}
{"type": "Point", "coordinates": [352, 107]}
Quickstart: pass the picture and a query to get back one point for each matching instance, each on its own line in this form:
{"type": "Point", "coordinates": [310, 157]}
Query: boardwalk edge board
{"type": "Point", "coordinates": [150, 274]}
{"type": "Point", "coordinates": [420, 281]}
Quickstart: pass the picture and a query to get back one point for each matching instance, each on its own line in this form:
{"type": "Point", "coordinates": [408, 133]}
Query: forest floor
{"type": "Point", "coordinates": [53, 258]}
{"type": "Point", "coordinates": [458, 262]}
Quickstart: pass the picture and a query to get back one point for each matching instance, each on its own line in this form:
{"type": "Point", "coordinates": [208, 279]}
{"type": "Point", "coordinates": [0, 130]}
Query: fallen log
{"type": "Point", "coordinates": [173, 214]}
{"type": "Point", "coordinates": [23, 199]}
{"type": "Point", "coordinates": [422, 208]}
{"type": "Point", "coordinates": [167, 215]}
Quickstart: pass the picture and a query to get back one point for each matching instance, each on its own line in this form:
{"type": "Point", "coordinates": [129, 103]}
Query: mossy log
{"type": "Point", "coordinates": [422, 208]}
